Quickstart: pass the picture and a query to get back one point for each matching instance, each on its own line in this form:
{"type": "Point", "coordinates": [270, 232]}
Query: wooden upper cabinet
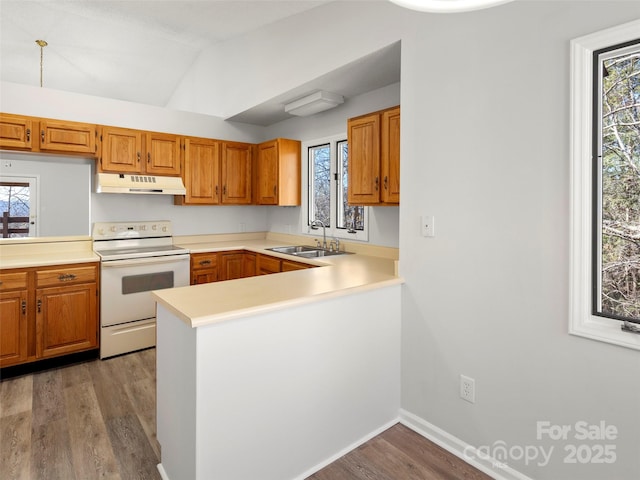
{"type": "Point", "coordinates": [16, 132]}
{"type": "Point", "coordinates": [363, 137]}
{"type": "Point", "coordinates": [201, 172]}
{"type": "Point", "coordinates": [374, 158]}
{"type": "Point", "coordinates": [277, 177]}
{"type": "Point", "coordinates": [35, 134]}
{"type": "Point", "coordinates": [235, 172]}
{"type": "Point", "coordinates": [126, 150]}
{"type": "Point", "coordinates": [390, 156]}
{"type": "Point", "coordinates": [67, 137]}
{"type": "Point", "coordinates": [121, 150]}
{"type": "Point", "coordinates": [162, 154]}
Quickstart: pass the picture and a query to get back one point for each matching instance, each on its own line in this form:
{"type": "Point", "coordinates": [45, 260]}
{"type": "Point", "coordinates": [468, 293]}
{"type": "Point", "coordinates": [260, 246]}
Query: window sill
{"type": "Point", "coordinates": [604, 330]}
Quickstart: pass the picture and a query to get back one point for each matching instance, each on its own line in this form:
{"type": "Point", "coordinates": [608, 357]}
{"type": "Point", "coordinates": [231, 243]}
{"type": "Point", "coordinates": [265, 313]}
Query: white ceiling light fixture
{"type": "Point", "coordinates": [314, 103]}
{"type": "Point", "coordinates": [448, 6]}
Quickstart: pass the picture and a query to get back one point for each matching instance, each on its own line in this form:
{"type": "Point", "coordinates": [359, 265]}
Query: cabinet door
{"type": "Point", "coordinates": [390, 151]}
{"type": "Point", "coordinates": [231, 265]}
{"type": "Point", "coordinates": [267, 174]}
{"type": "Point", "coordinates": [66, 319]}
{"type": "Point", "coordinates": [201, 171]}
{"type": "Point", "coordinates": [267, 264]}
{"type": "Point", "coordinates": [277, 177]}
{"type": "Point", "coordinates": [121, 150]}
{"type": "Point", "coordinates": [364, 160]}
{"type": "Point", "coordinates": [249, 265]}
{"type": "Point", "coordinates": [13, 325]}
{"type": "Point", "coordinates": [67, 137]}
{"type": "Point", "coordinates": [16, 132]}
{"type": "Point", "coordinates": [236, 173]}
{"type": "Point", "coordinates": [206, 275]}
{"type": "Point", "coordinates": [163, 154]}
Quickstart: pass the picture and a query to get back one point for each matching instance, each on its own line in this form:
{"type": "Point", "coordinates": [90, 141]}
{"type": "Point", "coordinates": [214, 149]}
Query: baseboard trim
{"type": "Point", "coordinates": [346, 450]}
{"type": "Point", "coordinates": [454, 445]}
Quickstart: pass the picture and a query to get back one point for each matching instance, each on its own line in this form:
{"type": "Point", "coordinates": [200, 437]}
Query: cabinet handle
{"type": "Point", "coordinates": [216, 190]}
{"type": "Point", "coordinates": [274, 190]}
{"type": "Point", "coordinates": [224, 190]}
{"type": "Point", "coordinates": [24, 307]}
{"type": "Point", "coordinates": [386, 181]}
{"type": "Point", "coordinates": [377, 182]}
{"type": "Point", "coordinates": [138, 157]}
{"type": "Point", "coordinates": [205, 262]}
{"type": "Point", "coordinates": [64, 277]}
{"type": "Point", "coordinates": [148, 157]}
{"type": "Point", "coordinates": [28, 134]}
{"type": "Point", "coordinates": [42, 135]}
{"type": "Point", "coordinates": [39, 305]}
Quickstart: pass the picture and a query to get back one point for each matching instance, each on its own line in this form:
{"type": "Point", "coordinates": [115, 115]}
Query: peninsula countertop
{"type": "Point", "coordinates": [337, 275]}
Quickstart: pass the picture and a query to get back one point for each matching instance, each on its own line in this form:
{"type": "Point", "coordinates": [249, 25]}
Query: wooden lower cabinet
{"type": "Point", "coordinates": [289, 266]}
{"type": "Point", "coordinates": [48, 311]}
{"type": "Point", "coordinates": [232, 264]}
{"type": "Point", "coordinates": [66, 319]}
{"type": "Point", "coordinates": [204, 268]}
{"type": "Point", "coordinates": [268, 264]}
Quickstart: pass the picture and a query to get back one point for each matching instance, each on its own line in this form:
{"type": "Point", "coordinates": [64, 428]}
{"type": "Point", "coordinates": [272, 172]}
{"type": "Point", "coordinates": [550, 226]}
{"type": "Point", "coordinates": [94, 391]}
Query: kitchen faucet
{"type": "Point", "coordinates": [314, 226]}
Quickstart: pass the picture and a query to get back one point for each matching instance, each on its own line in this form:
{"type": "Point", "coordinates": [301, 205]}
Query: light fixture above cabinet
{"type": "Point", "coordinates": [315, 103]}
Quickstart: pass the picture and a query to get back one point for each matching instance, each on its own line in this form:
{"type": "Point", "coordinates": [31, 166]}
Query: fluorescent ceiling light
{"type": "Point", "coordinates": [314, 103]}
{"type": "Point", "coordinates": [448, 6]}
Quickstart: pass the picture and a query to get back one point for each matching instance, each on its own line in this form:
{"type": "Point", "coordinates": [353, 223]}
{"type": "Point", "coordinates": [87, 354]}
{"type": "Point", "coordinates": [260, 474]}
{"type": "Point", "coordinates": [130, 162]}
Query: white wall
{"type": "Point", "coordinates": [287, 389]}
{"type": "Point", "coordinates": [485, 141]}
{"type": "Point", "coordinates": [63, 191]}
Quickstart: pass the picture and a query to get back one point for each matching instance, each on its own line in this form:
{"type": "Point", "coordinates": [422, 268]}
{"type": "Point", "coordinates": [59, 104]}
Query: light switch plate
{"type": "Point", "coordinates": [427, 225]}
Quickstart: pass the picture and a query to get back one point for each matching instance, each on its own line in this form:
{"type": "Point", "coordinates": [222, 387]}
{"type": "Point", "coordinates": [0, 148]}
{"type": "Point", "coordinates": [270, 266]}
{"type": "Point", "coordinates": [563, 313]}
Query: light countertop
{"type": "Point", "coordinates": [45, 253]}
{"type": "Point", "coordinates": [338, 275]}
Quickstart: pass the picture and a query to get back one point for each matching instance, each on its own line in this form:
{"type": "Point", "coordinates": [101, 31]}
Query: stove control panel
{"type": "Point", "coordinates": [123, 230]}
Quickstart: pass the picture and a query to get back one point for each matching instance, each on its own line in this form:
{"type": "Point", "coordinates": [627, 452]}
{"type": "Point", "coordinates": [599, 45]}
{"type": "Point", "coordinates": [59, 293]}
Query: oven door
{"type": "Point", "coordinates": [126, 286]}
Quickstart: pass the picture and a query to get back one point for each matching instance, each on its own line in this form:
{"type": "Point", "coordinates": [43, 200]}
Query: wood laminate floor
{"type": "Point", "coordinates": [96, 420]}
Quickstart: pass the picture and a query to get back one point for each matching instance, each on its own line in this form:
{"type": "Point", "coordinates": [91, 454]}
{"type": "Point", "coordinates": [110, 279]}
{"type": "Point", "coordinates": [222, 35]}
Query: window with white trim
{"type": "Point", "coordinates": [326, 199]}
{"type": "Point", "coordinates": [605, 188]}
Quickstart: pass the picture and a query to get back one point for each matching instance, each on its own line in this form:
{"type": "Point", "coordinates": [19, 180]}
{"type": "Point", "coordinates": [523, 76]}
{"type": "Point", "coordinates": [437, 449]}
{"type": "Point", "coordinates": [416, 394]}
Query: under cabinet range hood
{"type": "Point", "coordinates": [140, 184]}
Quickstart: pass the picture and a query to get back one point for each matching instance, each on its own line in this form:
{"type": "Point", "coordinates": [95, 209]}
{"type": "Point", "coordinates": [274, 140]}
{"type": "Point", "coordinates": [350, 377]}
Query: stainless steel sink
{"type": "Point", "coordinates": [306, 251]}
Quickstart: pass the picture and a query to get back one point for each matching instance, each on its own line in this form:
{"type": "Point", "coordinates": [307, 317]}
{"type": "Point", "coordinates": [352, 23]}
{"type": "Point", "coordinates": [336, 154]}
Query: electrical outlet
{"type": "Point", "coordinates": [467, 389]}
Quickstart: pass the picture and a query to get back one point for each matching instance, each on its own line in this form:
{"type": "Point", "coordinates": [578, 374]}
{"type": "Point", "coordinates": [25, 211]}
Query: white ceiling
{"type": "Point", "coordinates": [139, 50]}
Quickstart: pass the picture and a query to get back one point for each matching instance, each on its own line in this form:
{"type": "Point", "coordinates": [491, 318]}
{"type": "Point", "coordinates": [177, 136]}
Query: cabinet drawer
{"type": "Point", "coordinates": [62, 276]}
{"type": "Point", "coordinates": [204, 260]}
{"type": "Point", "coordinates": [13, 281]}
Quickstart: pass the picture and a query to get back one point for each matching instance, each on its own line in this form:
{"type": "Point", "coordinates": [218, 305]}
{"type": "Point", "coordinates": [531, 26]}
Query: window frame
{"type": "Point", "coordinates": [332, 231]}
{"type": "Point", "coordinates": [582, 320]}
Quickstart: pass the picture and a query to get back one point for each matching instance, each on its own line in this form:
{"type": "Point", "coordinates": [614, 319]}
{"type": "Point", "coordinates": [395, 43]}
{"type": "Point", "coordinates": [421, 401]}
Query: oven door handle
{"type": "Point", "coordinates": [145, 261]}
